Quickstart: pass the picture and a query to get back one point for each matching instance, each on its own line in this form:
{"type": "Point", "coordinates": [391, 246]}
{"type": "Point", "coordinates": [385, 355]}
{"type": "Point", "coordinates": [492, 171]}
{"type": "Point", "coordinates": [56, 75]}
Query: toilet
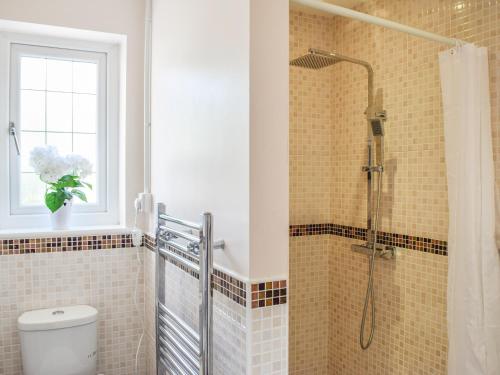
{"type": "Point", "coordinates": [59, 341]}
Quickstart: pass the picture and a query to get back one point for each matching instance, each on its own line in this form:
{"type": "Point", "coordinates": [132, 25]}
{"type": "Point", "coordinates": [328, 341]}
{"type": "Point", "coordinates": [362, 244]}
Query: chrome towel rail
{"type": "Point", "coordinates": [181, 350]}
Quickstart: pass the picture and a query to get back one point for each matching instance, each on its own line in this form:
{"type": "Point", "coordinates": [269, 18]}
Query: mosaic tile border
{"type": "Point", "coordinates": [269, 293]}
{"type": "Point", "coordinates": [230, 286]}
{"type": "Point", "coordinates": [62, 244]}
{"type": "Point", "coordinates": [426, 245]}
{"type": "Point", "coordinates": [225, 284]}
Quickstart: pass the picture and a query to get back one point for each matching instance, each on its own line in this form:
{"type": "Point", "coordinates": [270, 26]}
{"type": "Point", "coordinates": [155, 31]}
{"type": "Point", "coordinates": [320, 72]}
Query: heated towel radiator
{"type": "Point", "coordinates": [181, 350]}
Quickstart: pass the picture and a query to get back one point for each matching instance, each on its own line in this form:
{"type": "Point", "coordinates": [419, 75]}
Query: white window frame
{"type": "Point", "coordinates": [106, 211]}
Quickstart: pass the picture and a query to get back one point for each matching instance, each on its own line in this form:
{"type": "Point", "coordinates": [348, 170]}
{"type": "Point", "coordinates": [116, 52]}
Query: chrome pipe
{"type": "Point", "coordinates": [206, 308]}
{"type": "Point", "coordinates": [168, 364]}
{"type": "Point", "coordinates": [179, 247]}
{"type": "Point", "coordinates": [174, 356]}
{"type": "Point", "coordinates": [193, 335]}
{"type": "Point", "coordinates": [170, 329]}
{"type": "Point", "coordinates": [177, 233]}
{"type": "Point", "coordinates": [159, 287]}
{"type": "Point", "coordinates": [189, 249]}
{"type": "Point", "coordinates": [369, 195]}
{"type": "Point", "coordinates": [185, 223]}
{"type": "Point", "coordinates": [188, 358]}
{"type": "Point", "coordinates": [187, 263]}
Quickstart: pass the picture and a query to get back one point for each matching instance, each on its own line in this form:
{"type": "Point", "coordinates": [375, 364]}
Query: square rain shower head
{"type": "Point", "coordinates": [315, 59]}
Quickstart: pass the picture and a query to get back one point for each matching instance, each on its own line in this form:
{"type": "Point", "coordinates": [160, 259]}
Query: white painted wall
{"type": "Point", "coordinates": [200, 117]}
{"type": "Point", "coordinates": [220, 124]}
{"type": "Point", "coordinates": [269, 140]}
{"type": "Point", "coordinates": [113, 16]}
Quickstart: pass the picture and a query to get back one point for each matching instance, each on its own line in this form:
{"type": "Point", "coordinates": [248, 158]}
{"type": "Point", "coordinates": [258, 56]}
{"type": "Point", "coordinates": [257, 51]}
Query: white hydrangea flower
{"type": "Point", "coordinates": [79, 166]}
{"type": "Point", "coordinates": [47, 162]}
{"type": "Point", "coordinates": [51, 166]}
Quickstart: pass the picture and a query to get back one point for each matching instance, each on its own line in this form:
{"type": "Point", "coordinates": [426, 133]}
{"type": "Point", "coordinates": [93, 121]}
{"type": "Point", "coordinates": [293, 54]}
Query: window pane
{"type": "Point", "coordinates": [32, 110]}
{"type": "Point", "coordinates": [59, 75]}
{"type": "Point", "coordinates": [86, 146]}
{"type": "Point", "coordinates": [29, 140]}
{"type": "Point", "coordinates": [59, 112]}
{"type": "Point", "coordinates": [85, 77]}
{"type": "Point", "coordinates": [32, 190]}
{"type": "Point", "coordinates": [32, 73]}
{"type": "Point", "coordinates": [84, 113]}
{"type": "Point", "coordinates": [91, 194]}
{"type": "Point", "coordinates": [61, 141]}
{"type": "Point", "coordinates": [58, 104]}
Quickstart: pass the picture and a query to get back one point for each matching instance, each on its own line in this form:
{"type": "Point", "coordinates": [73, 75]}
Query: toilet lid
{"type": "Point", "coordinates": [56, 318]}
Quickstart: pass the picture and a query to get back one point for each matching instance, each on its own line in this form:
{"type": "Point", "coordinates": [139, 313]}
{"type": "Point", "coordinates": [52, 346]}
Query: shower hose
{"type": "Point", "coordinates": [370, 295]}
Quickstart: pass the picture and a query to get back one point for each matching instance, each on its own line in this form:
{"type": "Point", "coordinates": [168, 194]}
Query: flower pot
{"type": "Point", "coordinates": [60, 219]}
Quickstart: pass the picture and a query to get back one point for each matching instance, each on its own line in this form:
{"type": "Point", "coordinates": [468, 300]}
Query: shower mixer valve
{"type": "Point", "coordinates": [381, 251]}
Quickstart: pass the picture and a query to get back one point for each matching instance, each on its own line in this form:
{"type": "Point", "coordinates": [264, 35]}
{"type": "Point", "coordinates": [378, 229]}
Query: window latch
{"type": "Point", "coordinates": [13, 133]}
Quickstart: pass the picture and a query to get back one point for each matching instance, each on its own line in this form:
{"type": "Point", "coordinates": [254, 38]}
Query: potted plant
{"type": "Point", "coordinates": [64, 177]}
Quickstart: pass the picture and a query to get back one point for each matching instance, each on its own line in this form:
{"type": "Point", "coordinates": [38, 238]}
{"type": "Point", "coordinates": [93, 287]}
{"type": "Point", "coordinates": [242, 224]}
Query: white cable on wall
{"type": "Point", "coordinates": [148, 37]}
{"type": "Point", "coordinates": [137, 242]}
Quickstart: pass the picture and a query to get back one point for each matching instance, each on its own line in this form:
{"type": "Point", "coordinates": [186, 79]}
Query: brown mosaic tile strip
{"type": "Point", "coordinates": [149, 242]}
{"type": "Point", "coordinates": [230, 286]}
{"type": "Point", "coordinates": [346, 231]}
{"type": "Point", "coordinates": [309, 229]}
{"type": "Point", "coordinates": [61, 244]}
{"type": "Point", "coordinates": [269, 293]}
{"type": "Point", "coordinates": [223, 283]}
{"type": "Point", "coordinates": [426, 245]}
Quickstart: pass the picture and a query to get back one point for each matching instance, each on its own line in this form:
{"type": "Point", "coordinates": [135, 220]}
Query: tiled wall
{"type": "Point", "coordinates": [327, 150]}
{"type": "Point", "coordinates": [309, 295]}
{"type": "Point", "coordinates": [410, 336]}
{"type": "Point", "coordinates": [310, 124]}
{"type": "Point", "coordinates": [104, 279]}
{"type": "Point", "coordinates": [149, 308]}
{"type": "Point", "coordinates": [269, 340]}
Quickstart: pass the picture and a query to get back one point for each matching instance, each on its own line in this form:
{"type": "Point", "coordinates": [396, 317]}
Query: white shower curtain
{"type": "Point", "coordinates": [474, 261]}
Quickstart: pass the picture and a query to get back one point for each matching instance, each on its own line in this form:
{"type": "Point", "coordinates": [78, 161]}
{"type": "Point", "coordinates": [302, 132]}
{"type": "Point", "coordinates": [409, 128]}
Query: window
{"type": "Point", "coordinates": [66, 97]}
{"type": "Point", "coordinates": [56, 98]}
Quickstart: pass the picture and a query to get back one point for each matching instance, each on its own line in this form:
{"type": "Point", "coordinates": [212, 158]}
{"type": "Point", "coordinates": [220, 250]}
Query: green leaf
{"type": "Point", "coordinates": [87, 185]}
{"type": "Point", "coordinates": [55, 200]}
{"type": "Point", "coordinates": [69, 181]}
{"type": "Point", "coordinates": [67, 194]}
{"type": "Point", "coordinates": [80, 194]}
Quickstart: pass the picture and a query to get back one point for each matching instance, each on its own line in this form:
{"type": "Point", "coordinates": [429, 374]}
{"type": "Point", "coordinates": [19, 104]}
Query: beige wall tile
{"type": "Point", "coordinates": [327, 149]}
{"type": "Point", "coordinates": [104, 279]}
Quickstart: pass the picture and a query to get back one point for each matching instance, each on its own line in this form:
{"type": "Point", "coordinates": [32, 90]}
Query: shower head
{"type": "Point", "coordinates": [316, 59]}
{"type": "Point", "coordinates": [377, 127]}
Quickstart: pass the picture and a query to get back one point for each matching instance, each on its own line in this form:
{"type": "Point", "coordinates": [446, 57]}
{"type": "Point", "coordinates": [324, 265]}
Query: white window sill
{"type": "Point", "coordinates": [13, 234]}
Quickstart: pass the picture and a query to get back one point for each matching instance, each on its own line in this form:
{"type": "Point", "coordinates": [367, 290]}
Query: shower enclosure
{"type": "Point", "coordinates": [359, 182]}
{"type": "Point", "coordinates": [318, 59]}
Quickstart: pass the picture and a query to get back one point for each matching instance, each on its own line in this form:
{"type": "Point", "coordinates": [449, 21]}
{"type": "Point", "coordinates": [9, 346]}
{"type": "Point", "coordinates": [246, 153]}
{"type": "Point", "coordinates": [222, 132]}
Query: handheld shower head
{"type": "Point", "coordinates": [377, 127]}
{"type": "Point", "coordinates": [377, 123]}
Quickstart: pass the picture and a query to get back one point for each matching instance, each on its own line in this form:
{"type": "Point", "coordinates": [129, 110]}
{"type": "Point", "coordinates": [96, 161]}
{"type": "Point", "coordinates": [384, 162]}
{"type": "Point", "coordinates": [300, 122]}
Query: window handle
{"type": "Point", "coordinates": [13, 133]}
